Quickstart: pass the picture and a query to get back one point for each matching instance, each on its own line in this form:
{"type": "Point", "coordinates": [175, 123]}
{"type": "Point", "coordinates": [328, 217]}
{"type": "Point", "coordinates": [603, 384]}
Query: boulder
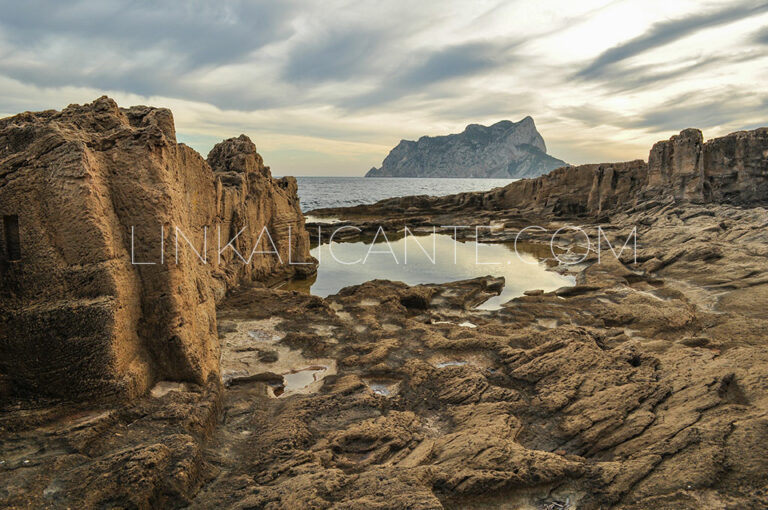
{"type": "Point", "coordinates": [247, 197]}
{"type": "Point", "coordinates": [90, 198]}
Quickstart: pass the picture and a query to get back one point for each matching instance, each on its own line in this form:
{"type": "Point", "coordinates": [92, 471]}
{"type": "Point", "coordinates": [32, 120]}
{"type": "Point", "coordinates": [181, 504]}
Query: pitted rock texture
{"type": "Point", "coordinates": [87, 306]}
{"type": "Point", "coordinates": [642, 387]}
{"type": "Point", "coordinates": [504, 150]}
{"type": "Point", "coordinates": [733, 168]}
{"type": "Point", "coordinates": [260, 213]}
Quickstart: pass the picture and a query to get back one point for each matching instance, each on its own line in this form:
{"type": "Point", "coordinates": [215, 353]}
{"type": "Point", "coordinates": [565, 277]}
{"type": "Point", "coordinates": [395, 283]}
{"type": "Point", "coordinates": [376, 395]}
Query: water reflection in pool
{"type": "Point", "coordinates": [414, 261]}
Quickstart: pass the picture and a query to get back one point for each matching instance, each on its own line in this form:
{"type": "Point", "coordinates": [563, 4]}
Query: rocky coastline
{"type": "Point", "coordinates": [642, 386]}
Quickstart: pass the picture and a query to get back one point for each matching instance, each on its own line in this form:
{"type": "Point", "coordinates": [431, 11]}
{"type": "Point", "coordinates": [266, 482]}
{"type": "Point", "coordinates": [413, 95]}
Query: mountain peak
{"type": "Point", "coordinates": [505, 149]}
{"type": "Point", "coordinates": [527, 120]}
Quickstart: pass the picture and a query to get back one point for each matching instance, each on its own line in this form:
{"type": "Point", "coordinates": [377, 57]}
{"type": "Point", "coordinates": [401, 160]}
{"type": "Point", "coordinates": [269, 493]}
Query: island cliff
{"type": "Point", "coordinates": [505, 150]}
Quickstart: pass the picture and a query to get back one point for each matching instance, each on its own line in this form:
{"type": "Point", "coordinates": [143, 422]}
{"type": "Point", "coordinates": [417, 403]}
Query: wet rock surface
{"type": "Point", "coordinates": [642, 388]}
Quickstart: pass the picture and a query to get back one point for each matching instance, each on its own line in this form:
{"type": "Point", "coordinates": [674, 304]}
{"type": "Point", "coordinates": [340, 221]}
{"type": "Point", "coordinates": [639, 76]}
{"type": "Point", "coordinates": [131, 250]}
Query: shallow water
{"type": "Point", "coordinates": [456, 363]}
{"type": "Point", "coordinates": [244, 343]}
{"type": "Point", "coordinates": [300, 379]}
{"type": "Point", "coordinates": [383, 388]}
{"type": "Point", "coordinates": [435, 258]}
{"type": "Point", "coordinates": [318, 192]}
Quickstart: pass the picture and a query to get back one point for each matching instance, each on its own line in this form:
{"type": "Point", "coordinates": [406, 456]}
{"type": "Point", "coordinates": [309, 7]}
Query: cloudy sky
{"type": "Point", "coordinates": [328, 87]}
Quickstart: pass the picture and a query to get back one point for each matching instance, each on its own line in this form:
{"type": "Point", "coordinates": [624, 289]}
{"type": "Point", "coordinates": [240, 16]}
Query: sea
{"type": "Point", "coordinates": [321, 192]}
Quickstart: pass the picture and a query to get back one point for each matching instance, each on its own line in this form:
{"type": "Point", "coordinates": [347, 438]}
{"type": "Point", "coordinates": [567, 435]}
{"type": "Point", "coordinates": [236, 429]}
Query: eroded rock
{"type": "Point", "coordinates": [88, 308]}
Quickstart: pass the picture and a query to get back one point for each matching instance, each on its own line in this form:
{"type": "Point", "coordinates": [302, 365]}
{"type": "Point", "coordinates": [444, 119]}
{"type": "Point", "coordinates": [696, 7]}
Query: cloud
{"type": "Point", "coordinates": [761, 37]}
{"type": "Point", "coordinates": [593, 115]}
{"type": "Point", "coordinates": [666, 32]}
{"type": "Point", "coordinates": [703, 110]}
{"type": "Point", "coordinates": [428, 68]}
{"type": "Point", "coordinates": [486, 107]}
{"type": "Point", "coordinates": [625, 79]}
{"type": "Point", "coordinates": [142, 47]}
{"type": "Point", "coordinates": [336, 56]}
{"type": "Point", "coordinates": [196, 32]}
{"type": "Point", "coordinates": [456, 62]}
{"type": "Point", "coordinates": [349, 78]}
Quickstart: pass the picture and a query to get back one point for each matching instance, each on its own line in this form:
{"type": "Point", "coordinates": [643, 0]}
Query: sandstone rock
{"type": "Point", "coordinates": [268, 209]}
{"type": "Point", "coordinates": [629, 390]}
{"type": "Point", "coordinates": [505, 149]}
{"type": "Point", "coordinates": [675, 165]}
{"type": "Point", "coordinates": [86, 308]}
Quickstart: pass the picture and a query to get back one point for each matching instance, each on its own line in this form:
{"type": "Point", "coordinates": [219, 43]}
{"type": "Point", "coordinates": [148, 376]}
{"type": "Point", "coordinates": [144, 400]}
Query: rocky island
{"type": "Point", "coordinates": [200, 385]}
{"type": "Point", "coordinates": [505, 150]}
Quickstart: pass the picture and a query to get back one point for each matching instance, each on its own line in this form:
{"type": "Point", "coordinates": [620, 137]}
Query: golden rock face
{"type": "Point", "coordinates": [90, 307]}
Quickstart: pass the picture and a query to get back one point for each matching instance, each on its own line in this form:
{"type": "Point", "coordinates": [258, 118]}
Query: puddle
{"type": "Point", "coordinates": [299, 381]}
{"type": "Point", "coordinates": [252, 353]}
{"type": "Point", "coordinates": [261, 335]}
{"type": "Point", "coordinates": [472, 359]}
{"type": "Point", "coordinates": [164, 387]}
{"type": "Point", "coordinates": [410, 260]}
{"type": "Point", "coordinates": [379, 389]}
{"type": "Point", "coordinates": [382, 387]}
{"type": "Point", "coordinates": [465, 324]}
{"type": "Point", "coordinates": [309, 218]}
{"type": "Point", "coordinates": [455, 363]}
{"type": "Point", "coordinates": [547, 323]}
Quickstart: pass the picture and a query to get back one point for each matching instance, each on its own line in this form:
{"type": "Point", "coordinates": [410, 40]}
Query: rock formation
{"type": "Point", "coordinates": [88, 308]}
{"type": "Point", "coordinates": [504, 150]}
{"type": "Point", "coordinates": [733, 168]}
{"type": "Point", "coordinates": [249, 199]}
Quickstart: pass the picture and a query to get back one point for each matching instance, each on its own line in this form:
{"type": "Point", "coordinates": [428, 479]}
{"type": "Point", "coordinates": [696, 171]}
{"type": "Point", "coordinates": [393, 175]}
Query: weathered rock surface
{"type": "Point", "coordinates": [733, 168]}
{"type": "Point", "coordinates": [264, 212]}
{"type": "Point", "coordinates": [504, 150]}
{"type": "Point", "coordinates": [87, 306]}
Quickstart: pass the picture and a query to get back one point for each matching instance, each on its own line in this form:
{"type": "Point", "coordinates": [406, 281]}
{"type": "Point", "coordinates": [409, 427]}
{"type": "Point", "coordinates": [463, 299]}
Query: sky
{"type": "Point", "coordinates": [329, 87]}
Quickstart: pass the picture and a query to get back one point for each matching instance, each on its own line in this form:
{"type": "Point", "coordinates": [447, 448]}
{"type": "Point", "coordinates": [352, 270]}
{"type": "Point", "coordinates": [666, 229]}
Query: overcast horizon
{"type": "Point", "coordinates": [328, 88]}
